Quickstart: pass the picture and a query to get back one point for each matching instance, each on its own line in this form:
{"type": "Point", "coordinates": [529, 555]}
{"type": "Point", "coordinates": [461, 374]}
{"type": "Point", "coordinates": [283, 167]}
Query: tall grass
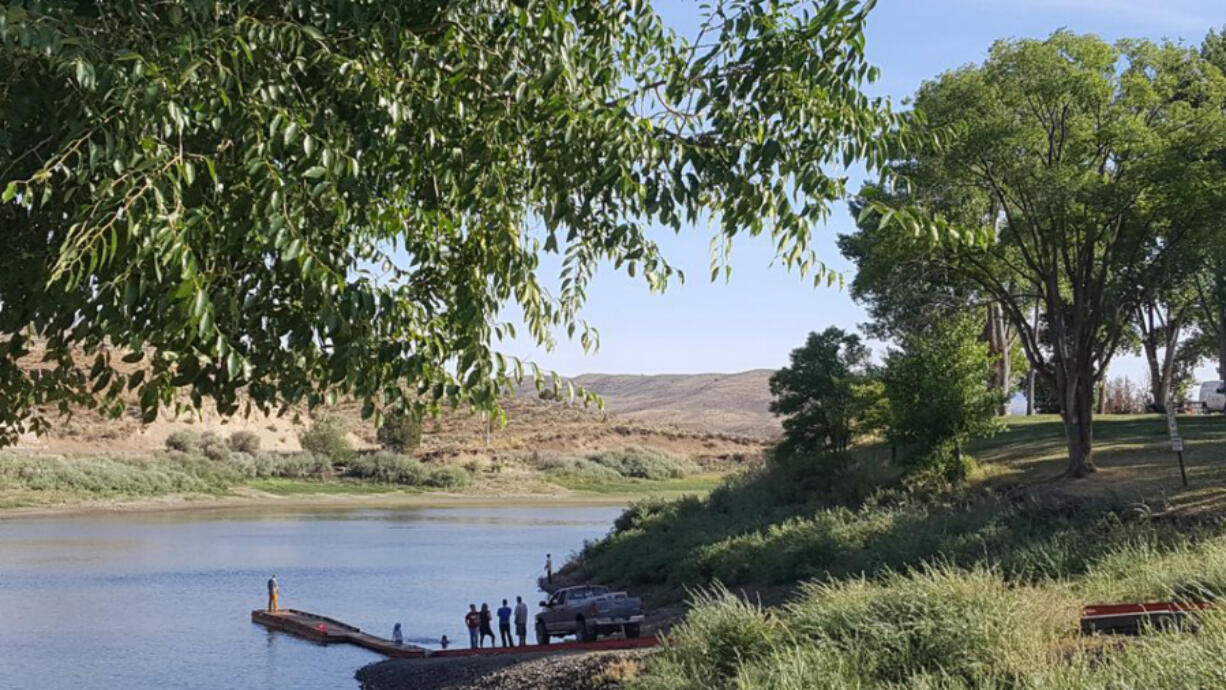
{"type": "Point", "coordinates": [899, 589]}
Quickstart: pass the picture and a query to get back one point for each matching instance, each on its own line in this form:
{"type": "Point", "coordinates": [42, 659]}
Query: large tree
{"type": "Point", "coordinates": [282, 202]}
{"type": "Point", "coordinates": [1086, 165]}
{"type": "Point", "coordinates": [1210, 274]}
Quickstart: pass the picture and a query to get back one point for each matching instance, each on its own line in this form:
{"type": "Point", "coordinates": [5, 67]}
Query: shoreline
{"type": "Point", "coordinates": [259, 500]}
{"type": "Point", "coordinates": [255, 499]}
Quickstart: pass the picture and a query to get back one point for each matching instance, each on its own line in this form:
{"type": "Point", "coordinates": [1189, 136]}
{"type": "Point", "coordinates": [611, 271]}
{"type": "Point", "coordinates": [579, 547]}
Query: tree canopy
{"type": "Point", "coordinates": [938, 399]}
{"type": "Point", "coordinates": [283, 202]}
{"type": "Point", "coordinates": [1068, 172]}
{"type": "Point", "coordinates": [817, 394]}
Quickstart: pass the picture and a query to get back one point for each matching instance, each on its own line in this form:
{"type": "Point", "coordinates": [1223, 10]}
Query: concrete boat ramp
{"type": "Point", "coordinates": [317, 628]}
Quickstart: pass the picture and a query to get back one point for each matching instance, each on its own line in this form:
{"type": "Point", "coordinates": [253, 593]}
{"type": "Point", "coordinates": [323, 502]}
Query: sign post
{"type": "Point", "coordinates": [1176, 441]}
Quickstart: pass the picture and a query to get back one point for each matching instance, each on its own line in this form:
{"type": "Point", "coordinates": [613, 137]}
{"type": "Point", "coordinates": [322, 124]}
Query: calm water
{"type": "Point", "coordinates": [164, 601]}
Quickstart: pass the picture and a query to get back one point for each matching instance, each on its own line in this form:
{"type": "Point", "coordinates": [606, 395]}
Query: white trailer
{"type": "Point", "coordinates": [1213, 396]}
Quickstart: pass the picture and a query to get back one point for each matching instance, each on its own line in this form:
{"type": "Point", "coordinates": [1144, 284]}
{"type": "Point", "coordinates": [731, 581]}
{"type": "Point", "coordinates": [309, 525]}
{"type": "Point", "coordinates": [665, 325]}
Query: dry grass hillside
{"type": "Point", "coordinates": [708, 417]}
{"type": "Point", "coordinates": [727, 403]}
{"type": "Point", "coordinates": [454, 437]}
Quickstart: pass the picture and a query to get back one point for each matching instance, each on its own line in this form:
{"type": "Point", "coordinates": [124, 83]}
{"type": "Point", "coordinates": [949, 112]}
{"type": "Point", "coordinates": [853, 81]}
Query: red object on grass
{"type": "Point", "coordinates": [1131, 619]}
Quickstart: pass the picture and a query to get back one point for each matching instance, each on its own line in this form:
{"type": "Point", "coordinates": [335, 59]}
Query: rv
{"type": "Point", "coordinates": [1213, 396]}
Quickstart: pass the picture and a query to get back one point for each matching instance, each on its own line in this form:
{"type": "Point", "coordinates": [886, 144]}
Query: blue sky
{"type": "Point", "coordinates": [763, 312]}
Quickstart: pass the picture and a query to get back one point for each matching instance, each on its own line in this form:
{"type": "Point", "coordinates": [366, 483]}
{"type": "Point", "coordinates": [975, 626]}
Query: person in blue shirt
{"type": "Point", "coordinates": [504, 625]}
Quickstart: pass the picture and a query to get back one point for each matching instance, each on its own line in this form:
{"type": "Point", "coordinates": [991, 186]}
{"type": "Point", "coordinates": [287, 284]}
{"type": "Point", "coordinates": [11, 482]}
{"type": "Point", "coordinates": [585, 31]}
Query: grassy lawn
{"type": "Point", "coordinates": [1132, 452]}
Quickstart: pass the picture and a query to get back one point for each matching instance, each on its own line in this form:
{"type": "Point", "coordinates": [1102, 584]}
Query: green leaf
{"type": "Point", "coordinates": [10, 192]}
{"type": "Point", "coordinates": [315, 172]}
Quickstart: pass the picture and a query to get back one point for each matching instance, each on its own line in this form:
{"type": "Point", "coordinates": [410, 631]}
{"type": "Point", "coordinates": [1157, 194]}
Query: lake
{"type": "Point", "coordinates": [163, 600]}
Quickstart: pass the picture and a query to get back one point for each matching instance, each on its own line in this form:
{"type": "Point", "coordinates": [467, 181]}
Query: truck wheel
{"type": "Point", "coordinates": [542, 635]}
{"type": "Point", "coordinates": [631, 630]}
{"type": "Point", "coordinates": [583, 631]}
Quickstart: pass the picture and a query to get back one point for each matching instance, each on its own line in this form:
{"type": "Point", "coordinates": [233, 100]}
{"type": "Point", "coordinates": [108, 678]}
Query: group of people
{"type": "Point", "coordinates": [480, 624]}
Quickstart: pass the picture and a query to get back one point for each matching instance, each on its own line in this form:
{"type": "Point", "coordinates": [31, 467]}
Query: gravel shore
{"type": "Point", "coordinates": [580, 671]}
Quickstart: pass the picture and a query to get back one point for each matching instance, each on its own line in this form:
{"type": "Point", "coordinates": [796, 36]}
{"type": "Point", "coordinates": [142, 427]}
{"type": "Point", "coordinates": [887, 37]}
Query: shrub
{"type": "Point", "coordinates": [939, 398]}
{"type": "Point", "coordinates": [184, 441]}
{"type": "Point", "coordinates": [644, 463]}
{"type": "Point", "coordinates": [389, 468]}
{"type": "Point", "coordinates": [400, 432]}
{"type": "Point", "coordinates": [212, 447]}
{"type": "Point", "coordinates": [305, 465]}
{"type": "Point", "coordinates": [328, 438]}
{"type": "Point", "coordinates": [448, 477]}
{"type": "Point", "coordinates": [641, 512]}
{"type": "Point", "coordinates": [245, 442]}
{"type": "Point", "coordinates": [563, 466]}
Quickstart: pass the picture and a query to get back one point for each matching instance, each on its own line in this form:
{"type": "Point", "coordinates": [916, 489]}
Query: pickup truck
{"type": "Point", "coordinates": [587, 612]}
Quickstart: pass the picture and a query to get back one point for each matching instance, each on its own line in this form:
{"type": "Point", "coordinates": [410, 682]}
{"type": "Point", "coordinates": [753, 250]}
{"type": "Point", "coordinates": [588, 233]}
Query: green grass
{"type": "Point", "coordinates": [802, 582]}
{"type": "Point", "coordinates": [315, 487]}
{"type": "Point", "coordinates": [1132, 452]}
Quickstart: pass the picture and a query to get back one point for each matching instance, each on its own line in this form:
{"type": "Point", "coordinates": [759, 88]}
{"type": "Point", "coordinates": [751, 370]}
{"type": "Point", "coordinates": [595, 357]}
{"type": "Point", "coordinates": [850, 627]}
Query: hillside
{"type": "Point", "coordinates": [716, 403]}
{"type": "Point", "coordinates": [698, 416]}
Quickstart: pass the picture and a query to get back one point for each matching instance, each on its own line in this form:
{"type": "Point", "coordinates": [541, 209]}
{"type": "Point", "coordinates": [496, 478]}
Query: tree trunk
{"type": "Point", "coordinates": [1155, 370]}
{"type": "Point", "coordinates": [1032, 379]}
{"type": "Point", "coordinates": [1078, 413]}
{"type": "Point", "coordinates": [1221, 352]}
{"type": "Point", "coordinates": [999, 345]}
{"type": "Point", "coordinates": [1221, 343]}
{"type": "Point", "coordinates": [1030, 384]}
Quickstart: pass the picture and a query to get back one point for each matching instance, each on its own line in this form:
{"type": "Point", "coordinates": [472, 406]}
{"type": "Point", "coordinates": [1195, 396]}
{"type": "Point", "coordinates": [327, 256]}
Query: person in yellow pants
{"type": "Point", "coordinates": [273, 591]}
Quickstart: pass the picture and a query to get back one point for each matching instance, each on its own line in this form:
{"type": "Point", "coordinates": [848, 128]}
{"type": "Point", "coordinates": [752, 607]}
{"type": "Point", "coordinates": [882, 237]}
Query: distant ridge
{"type": "Point", "coordinates": [719, 403]}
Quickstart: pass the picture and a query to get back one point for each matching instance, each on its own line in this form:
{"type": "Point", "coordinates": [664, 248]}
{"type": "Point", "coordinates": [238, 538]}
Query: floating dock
{"type": "Point", "coordinates": [317, 628]}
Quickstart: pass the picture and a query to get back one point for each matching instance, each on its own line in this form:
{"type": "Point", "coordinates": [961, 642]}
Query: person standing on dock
{"type": "Point", "coordinates": [487, 619]}
{"type": "Point", "coordinates": [521, 620]}
{"type": "Point", "coordinates": [397, 635]}
{"type": "Point", "coordinates": [473, 620]}
{"type": "Point", "coordinates": [549, 568]}
{"type": "Point", "coordinates": [504, 625]}
{"type": "Point", "coordinates": [273, 592]}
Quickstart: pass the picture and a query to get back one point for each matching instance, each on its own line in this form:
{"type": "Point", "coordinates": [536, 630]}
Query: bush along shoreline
{"type": "Point", "coordinates": [206, 464]}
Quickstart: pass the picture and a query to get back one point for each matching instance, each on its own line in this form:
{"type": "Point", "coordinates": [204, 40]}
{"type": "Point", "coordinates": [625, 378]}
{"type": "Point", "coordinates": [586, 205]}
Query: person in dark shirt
{"type": "Point", "coordinates": [473, 620]}
{"type": "Point", "coordinates": [486, 619]}
{"type": "Point", "coordinates": [504, 625]}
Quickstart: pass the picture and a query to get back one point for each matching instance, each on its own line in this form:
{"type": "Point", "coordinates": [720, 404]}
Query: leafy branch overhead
{"type": "Point", "coordinates": [308, 199]}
